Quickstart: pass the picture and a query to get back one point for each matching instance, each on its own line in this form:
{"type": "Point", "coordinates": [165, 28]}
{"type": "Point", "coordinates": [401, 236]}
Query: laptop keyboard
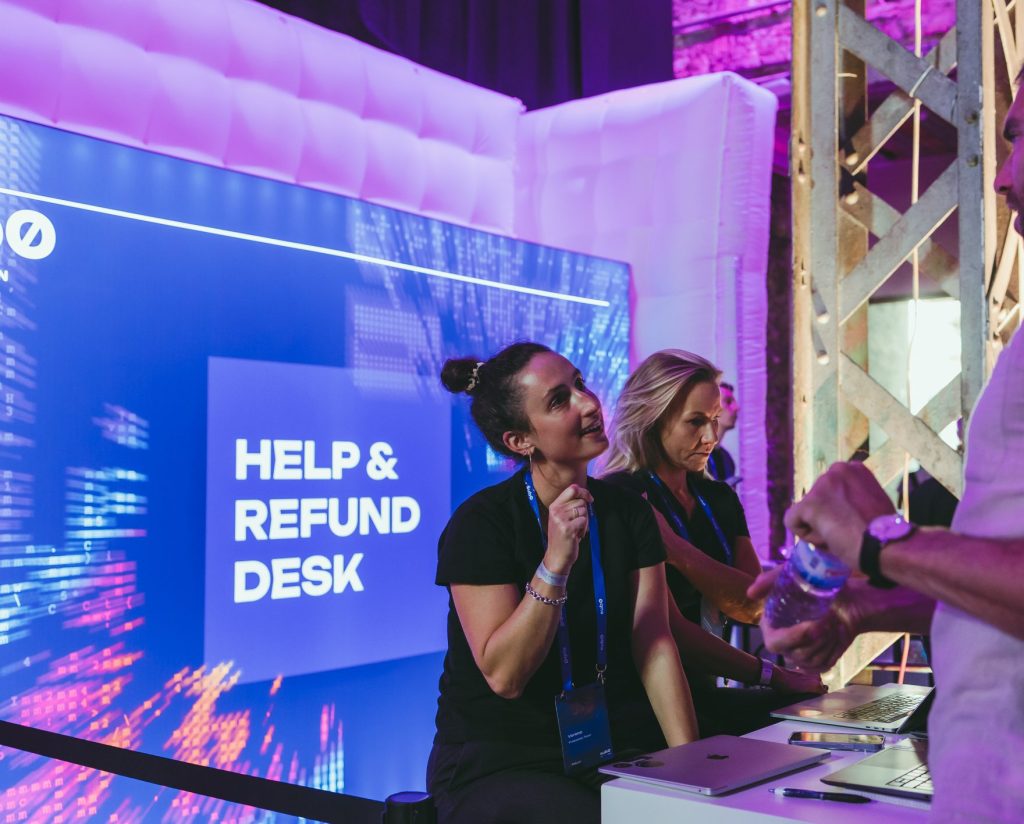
{"type": "Point", "coordinates": [917, 779]}
{"type": "Point", "coordinates": [883, 710]}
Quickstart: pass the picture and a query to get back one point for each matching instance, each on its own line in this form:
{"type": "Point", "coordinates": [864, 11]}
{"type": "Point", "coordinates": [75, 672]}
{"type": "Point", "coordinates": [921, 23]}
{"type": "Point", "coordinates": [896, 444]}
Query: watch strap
{"type": "Point", "coordinates": [767, 671]}
{"type": "Point", "coordinates": [871, 562]}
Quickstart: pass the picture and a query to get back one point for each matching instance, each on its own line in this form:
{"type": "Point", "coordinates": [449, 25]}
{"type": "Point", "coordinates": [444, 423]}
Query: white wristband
{"type": "Point", "coordinates": [548, 577]}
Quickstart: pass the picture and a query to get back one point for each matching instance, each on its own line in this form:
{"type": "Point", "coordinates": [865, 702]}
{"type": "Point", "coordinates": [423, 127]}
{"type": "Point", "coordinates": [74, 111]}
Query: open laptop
{"type": "Point", "coordinates": [888, 708]}
{"type": "Point", "coordinates": [900, 770]}
{"type": "Point", "coordinates": [715, 765]}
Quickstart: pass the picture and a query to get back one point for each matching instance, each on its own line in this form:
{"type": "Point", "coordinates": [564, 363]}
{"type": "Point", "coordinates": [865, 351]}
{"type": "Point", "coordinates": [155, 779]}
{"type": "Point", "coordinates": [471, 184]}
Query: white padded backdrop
{"type": "Point", "coordinates": [673, 178]}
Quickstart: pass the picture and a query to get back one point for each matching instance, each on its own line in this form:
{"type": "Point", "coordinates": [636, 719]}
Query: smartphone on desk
{"type": "Point", "coordinates": [861, 742]}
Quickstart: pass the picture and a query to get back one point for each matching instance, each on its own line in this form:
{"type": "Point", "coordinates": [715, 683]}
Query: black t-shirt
{"type": "Point", "coordinates": [494, 538]}
{"type": "Point", "coordinates": [728, 512]}
{"type": "Point", "coordinates": [721, 466]}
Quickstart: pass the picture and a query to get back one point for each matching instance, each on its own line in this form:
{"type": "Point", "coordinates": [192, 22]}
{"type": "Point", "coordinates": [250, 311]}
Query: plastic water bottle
{"type": "Point", "coordinates": [806, 587]}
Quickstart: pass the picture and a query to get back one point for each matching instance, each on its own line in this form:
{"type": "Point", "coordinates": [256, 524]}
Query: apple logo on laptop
{"type": "Point", "coordinates": [716, 757]}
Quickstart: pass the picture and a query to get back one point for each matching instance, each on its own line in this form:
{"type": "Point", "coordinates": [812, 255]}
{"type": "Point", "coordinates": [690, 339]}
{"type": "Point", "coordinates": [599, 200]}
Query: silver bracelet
{"type": "Point", "coordinates": [554, 602]}
{"type": "Point", "coordinates": [549, 577]}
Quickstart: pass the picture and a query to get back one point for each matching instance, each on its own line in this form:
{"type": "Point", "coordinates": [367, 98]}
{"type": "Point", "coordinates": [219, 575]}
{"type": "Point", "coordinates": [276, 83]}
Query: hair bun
{"type": "Point", "coordinates": [460, 374]}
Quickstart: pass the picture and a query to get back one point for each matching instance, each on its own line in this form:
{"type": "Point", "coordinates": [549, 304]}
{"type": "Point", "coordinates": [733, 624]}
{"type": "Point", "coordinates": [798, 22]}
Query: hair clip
{"type": "Point", "coordinates": [474, 378]}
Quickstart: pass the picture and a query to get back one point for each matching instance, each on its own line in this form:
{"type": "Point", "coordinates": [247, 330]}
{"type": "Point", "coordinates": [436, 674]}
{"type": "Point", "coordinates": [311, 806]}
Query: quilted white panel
{"type": "Point", "coordinates": [675, 179]}
{"type": "Point", "coordinates": [239, 85]}
{"type": "Point", "coordinates": [29, 39]}
{"type": "Point", "coordinates": [183, 124]}
{"type": "Point", "coordinates": [190, 30]}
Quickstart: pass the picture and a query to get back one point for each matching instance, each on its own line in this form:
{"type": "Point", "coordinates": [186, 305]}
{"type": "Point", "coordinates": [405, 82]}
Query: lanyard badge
{"type": "Point", "coordinates": [582, 712]}
{"type": "Point", "coordinates": [583, 728]}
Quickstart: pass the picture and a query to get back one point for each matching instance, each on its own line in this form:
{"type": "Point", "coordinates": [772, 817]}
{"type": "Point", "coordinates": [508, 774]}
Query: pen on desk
{"type": "Point", "coordinates": [792, 792]}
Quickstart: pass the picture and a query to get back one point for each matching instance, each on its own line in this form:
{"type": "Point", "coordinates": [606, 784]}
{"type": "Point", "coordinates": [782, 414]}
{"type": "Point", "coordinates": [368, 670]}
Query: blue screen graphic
{"type": "Point", "coordinates": [225, 459]}
{"type": "Point", "coordinates": [323, 486]}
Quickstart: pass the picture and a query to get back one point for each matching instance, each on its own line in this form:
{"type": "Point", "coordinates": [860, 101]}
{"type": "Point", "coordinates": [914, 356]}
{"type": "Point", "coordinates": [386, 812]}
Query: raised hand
{"type": "Point", "coordinates": [837, 510]}
{"type": "Point", "coordinates": [567, 524]}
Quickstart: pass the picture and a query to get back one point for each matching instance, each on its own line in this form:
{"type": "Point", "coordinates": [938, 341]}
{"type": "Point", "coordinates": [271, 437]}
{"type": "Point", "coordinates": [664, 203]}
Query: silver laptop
{"type": "Point", "coordinates": [888, 708]}
{"type": "Point", "coordinates": [901, 770]}
{"type": "Point", "coordinates": [715, 765]}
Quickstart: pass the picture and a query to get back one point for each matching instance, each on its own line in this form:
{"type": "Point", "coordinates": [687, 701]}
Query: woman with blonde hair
{"type": "Point", "coordinates": [664, 429]}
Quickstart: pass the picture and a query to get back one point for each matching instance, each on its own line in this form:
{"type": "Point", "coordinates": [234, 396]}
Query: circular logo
{"type": "Point", "coordinates": [30, 234]}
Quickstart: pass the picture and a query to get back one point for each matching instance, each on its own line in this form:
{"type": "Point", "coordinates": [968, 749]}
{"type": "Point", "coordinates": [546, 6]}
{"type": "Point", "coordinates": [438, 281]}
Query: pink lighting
{"type": "Point", "coordinates": [752, 37]}
{"type": "Point", "coordinates": [673, 178]}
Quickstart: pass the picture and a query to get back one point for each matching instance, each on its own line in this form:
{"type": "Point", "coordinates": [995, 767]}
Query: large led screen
{"type": "Point", "coordinates": [225, 460]}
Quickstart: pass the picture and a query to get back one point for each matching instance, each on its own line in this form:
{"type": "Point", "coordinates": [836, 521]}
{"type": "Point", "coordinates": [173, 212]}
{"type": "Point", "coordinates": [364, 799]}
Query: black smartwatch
{"type": "Point", "coordinates": [883, 530]}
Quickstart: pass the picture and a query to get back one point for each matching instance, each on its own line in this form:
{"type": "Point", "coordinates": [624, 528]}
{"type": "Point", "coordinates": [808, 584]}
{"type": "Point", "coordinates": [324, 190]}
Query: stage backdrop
{"type": "Point", "coordinates": [226, 458]}
{"type": "Point", "coordinates": [234, 84]}
{"type": "Point", "coordinates": [673, 178]}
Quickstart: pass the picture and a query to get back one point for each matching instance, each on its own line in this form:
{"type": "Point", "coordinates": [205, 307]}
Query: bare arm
{"type": "Point", "coordinates": [657, 659]}
{"type": "Point", "coordinates": [510, 634]}
{"type": "Point", "coordinates": [704, 651]}
{"type": "Point", "coordinates": [708, 653]}
{"type": "Point", "coordinates": [980, 576]}
{"type": "Point", "coordinates": [725, 586]}
{"type": "Point", "coordinates": [977, 575]}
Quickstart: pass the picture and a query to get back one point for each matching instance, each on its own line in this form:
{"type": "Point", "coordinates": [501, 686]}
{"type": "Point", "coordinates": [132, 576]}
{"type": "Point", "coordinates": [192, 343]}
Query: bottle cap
{"type": "Point", "coordinates": [820, 569]}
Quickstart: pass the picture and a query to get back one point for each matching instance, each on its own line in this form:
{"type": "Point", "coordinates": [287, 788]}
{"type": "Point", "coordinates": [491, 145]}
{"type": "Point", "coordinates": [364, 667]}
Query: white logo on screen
{"type": "Point", "coordinates": [30, 234]}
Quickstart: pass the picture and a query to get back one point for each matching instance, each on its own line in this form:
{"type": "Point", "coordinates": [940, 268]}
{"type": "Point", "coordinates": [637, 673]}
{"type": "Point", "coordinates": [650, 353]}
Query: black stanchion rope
{"type": "Point", "coordinates": [253, 791]}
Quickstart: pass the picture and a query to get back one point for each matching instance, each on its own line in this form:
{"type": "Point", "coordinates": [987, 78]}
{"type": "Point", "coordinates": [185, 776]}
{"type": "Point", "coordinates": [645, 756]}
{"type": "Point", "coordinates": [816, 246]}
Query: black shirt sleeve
{"type": "Point", "coordinates": [729, 501]}
{"type": "Point", "coordinates": [633, 481]}
{"type": "Point", "coordinates": [622, 491]}
{"type": "Point", "coordinates": [649, 547]}
{"type": "Point", "coordinates": [477, 546]}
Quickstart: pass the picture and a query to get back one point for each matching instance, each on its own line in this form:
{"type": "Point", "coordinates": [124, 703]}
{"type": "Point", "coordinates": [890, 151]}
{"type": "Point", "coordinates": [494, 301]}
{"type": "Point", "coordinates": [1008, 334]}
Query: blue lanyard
{"type": "Point", "coordinates": [600, 599]}
{"type": "Point", "coordinates": [677, 522]}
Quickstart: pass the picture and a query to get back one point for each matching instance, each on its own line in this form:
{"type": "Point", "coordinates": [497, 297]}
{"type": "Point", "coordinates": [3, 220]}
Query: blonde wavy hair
{"type": "Point", "coordinates": [651, 394]}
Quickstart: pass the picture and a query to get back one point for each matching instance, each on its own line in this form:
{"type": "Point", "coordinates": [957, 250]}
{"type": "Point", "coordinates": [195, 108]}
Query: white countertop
{"type": "Point", "coordinates": [627, 802]}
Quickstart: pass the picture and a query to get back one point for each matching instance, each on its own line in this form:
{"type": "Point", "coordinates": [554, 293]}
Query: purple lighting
{"type": "Point", "coordinates": [753, 37]}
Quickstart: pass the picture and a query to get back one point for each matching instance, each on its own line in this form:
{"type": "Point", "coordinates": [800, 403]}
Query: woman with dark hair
{"type": "Point", "coordinates": [528, 701]}
{"type": "Point", "coordinates": [665, 427]}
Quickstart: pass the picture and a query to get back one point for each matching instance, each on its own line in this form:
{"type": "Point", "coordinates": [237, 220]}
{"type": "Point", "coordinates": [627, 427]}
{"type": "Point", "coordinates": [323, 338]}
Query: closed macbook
{"type": "Point", "coordinates": [715, 765]}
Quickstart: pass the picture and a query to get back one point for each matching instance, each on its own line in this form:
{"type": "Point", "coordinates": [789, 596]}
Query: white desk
{"type": "Point", "coordinates": [627, 802]}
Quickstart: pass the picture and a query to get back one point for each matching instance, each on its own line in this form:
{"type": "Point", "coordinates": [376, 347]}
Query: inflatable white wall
{"type": "Point", "coordinates": [674, 178]}
{"type": "Point", "coordinates": [236, 84]}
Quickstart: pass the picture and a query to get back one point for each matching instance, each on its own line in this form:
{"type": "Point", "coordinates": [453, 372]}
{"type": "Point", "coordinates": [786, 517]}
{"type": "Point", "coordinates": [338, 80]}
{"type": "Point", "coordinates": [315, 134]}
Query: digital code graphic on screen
{"type": "Point", "coordinates": [226, 458]}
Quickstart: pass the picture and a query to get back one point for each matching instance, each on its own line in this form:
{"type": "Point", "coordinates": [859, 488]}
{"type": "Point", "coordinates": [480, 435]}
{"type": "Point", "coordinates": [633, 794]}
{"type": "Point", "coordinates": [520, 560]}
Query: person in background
{"type": "Point", "coordinates": [665, 426]}
{"type": "Point", "coordinates": [963, 584]}
{"type": "Point", "coordinates": [929, 502]}
{"type": "Point", "coordinates": [721, 465]}
{"type": "Point", "coordinates": [515, 557]}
